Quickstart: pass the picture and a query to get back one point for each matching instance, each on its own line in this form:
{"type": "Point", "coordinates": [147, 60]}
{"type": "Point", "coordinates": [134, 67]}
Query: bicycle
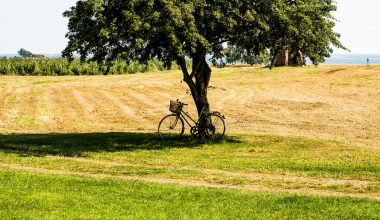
{"type": "Point", "coordinates": [209, 126]}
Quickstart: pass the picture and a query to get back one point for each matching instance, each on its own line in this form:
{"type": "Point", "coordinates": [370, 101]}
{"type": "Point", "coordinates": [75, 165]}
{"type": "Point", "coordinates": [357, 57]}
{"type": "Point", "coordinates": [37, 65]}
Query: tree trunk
{"type": "Point", "coordinates": [198, 80]}
{"type": "Point", "coordinates": [283, 58]}
{"type": "Point", "coordinates": [202, 80]}
{"type": "Point", "coordinates": [274, 59]}
{"type": "Point", "coordinates": [297, 58]}
{"type": "Point", "coordinates": [289, 57]}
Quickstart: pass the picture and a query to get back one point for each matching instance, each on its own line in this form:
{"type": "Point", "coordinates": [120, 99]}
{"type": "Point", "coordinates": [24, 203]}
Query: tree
{"type": "Point", "coordinates": [24, 53]}
{"type": "Point", "coordinates": [302, 28]}
{"type": "Point", "coordinates": [174, 30]}
{"type": "Point", "coordinates": [235, 54]}
{"type": "Point", "coordinates": [163, 29]}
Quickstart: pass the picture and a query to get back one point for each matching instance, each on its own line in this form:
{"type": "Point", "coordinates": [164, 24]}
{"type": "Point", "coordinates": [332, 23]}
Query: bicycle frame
{"type": "Point", "coordinates": [186, 116]}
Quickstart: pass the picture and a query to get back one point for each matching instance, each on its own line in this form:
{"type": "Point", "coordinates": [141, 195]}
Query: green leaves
{"type": "Point", "coordinates": [173, 29]}
{"type": "Point", "coordinates": [306, 26]}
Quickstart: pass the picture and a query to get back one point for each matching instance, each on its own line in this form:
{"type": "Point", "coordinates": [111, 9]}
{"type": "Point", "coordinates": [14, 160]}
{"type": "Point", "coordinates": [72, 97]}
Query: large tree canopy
{"type": "Point", "coordinates": [174, 30]}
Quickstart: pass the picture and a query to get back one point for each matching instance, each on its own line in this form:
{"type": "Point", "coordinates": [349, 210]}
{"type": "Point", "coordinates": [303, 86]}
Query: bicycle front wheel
{"type": "Point", "coordinates": [171, 127]}
{"type": "Point", "coordinates": [216, 127]}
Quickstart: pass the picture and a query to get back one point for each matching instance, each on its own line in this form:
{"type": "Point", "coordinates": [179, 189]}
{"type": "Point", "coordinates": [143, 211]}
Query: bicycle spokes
{"type": "Point", "coordinates": [171, 126]}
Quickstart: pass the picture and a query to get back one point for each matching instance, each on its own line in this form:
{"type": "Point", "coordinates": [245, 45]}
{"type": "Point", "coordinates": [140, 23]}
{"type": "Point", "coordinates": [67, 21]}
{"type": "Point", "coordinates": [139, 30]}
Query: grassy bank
{"type": "Point", "coordinates": [36, 196]}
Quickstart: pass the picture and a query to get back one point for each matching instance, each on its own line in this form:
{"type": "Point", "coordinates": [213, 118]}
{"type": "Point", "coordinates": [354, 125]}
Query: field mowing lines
{"type": "Point", "coordinates": [11, 110]}
{"type": "Point", "coordinates": [4, 93]}
{"type": "Point", "coordinates": [129, 106]}
{"type": "Point", "coordinates": [115, 111]}
{"type": "Point", "coordinates": [118, 102]}
{"type": "Point", "coordinates": [87, 106]}
{"type": "Point", "coordinates": [193, 183]}
{"type": "Point", "coordinates": [45, 105]}
{"type": "Point", "coordinates": [55, 107]}
{"type": "Point", "coordinates": [165, 92]}
{"type": "Point", "coordinates": [144, 97]}
{"type": "Point", "coordinates": [148, 101]}
{"type": "Point", "coordinates": [100, 111]}
{"type": "Point", "coordinates": [26, 104]}
{"type": "Point", "coordinates": [66, 109]}
{"type": "Point", "coordinates": [159, 93]}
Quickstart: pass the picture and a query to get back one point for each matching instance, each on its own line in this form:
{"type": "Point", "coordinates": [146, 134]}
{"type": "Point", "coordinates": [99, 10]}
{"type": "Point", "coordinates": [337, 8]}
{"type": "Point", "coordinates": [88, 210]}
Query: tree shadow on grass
{"type": "Point", "coordinates": [74, 145]}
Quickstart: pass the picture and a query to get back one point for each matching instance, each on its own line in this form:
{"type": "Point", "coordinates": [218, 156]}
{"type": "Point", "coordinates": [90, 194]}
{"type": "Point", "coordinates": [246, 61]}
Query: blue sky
{"type": "Point", "coordinates": [38, 25]}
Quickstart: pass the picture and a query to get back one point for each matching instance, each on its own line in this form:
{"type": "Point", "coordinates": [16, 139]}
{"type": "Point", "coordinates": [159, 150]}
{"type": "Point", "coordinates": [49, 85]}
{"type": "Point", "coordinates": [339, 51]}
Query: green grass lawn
{"type": "Point", "coordinates": [243, 153]}
{"type": "Point", "coordinates": [38, 196]}
{"type": "Point", "coordinates": [272, 162]}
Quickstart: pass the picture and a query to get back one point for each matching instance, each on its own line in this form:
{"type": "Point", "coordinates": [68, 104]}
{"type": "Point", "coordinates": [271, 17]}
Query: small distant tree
{"type": "Point", "coordinates": [234, 54]}
{"type": "Point", "coordinates": [25, 53]}
{"type": "Point", "coordinates": [251, 58]}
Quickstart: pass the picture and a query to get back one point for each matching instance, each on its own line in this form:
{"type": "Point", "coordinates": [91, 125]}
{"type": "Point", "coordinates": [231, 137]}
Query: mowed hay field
{"type": "Point", "coordinates": [301, 143]}
{"type": "Point", "coordinates": [327, 102]}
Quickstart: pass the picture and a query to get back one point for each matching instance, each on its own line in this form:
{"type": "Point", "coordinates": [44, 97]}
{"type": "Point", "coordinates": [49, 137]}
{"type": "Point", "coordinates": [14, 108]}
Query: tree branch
{"type": "Point", "coordinates": [198, 58]}
{"type": "Point", "coordinates": [186, 77]}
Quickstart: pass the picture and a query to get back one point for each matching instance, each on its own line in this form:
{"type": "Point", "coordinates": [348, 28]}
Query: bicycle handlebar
{"type": "Point", "coordinates": [182, 103]}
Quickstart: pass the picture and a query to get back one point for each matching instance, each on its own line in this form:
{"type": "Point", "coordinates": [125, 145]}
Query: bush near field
{"type": "Point", "coordinates": [61, 67]}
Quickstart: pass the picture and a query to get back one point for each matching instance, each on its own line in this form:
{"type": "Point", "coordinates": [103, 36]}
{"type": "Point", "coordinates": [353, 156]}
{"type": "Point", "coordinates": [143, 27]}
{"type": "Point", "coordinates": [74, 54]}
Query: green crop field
{"type": "Point", "coordinates": [62, 67]}
{"type": "Point", "coordinates": [302, 143]}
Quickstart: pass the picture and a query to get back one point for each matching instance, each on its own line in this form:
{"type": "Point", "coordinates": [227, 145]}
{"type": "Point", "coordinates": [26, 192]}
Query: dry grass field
{"type": "Point", "coordinates": [302, 143]}
{"type": "Point", "coordinates": [326, 102]}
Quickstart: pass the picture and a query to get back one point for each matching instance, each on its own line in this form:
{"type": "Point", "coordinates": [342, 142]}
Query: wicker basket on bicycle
{"type": "Point", "coordinates": [175, 106]}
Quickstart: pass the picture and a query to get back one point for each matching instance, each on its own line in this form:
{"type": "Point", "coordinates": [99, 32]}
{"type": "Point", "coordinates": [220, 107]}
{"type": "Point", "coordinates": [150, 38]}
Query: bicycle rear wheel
{"type": "Point", "coordinates": [216, 126]}
{"type": "Point", "coordinates": [171, 127]}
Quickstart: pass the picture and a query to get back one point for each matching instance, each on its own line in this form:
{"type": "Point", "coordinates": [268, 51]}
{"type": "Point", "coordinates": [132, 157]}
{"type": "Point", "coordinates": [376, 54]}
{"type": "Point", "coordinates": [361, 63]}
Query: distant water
{"type": "Point", "coordinates": [353, 59]}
